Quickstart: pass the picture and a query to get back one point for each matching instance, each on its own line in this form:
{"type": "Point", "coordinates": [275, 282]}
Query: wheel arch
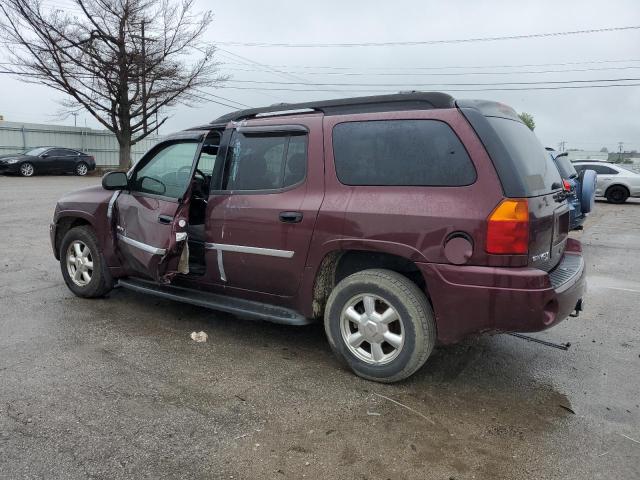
{"type": "Point", "coordinates": [621, 185]}
{"type": "Point", "coordinates": [339, 264]}
{"type": "Point", "coordinates": [30, 162]}
{"type": "Point", "coordinates": [66, 223]}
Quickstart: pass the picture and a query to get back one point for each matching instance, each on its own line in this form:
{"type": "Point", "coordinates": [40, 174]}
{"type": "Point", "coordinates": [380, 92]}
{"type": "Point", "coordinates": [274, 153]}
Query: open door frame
{"type": "Point", "coordinates": [150, 230]}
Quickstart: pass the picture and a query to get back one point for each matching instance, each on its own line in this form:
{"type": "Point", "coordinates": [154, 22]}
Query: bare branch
{"type": "Point", "coordinates": [121, 60]}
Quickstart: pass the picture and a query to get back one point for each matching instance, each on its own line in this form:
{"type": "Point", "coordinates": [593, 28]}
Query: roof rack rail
{"type": "Point", "coordinates": [284, 112]}
{"type": "Point", "coordinates": [377, 103]}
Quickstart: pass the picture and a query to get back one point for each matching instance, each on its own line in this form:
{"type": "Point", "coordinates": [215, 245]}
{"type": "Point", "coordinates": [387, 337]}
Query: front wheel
{"type": "Point", "coordinates": [380, 324]}
{"type": "Point", "coordinates": [27, 170]}
{"type": "Point", "coordinates": [83, 267]}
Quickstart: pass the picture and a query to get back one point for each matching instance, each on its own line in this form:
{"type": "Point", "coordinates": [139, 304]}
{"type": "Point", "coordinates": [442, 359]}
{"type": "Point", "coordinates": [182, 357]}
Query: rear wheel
{"type": "Point", "coordinates": [617, 194]}
{"type": "Point", "coordinates": [81, 169]}
{"type": "Point", "coordinates": [380, 324]}
{"type": "Point", "coordinates": [83, 267]}
{"type": "Point", "coordinates": [26, 169]}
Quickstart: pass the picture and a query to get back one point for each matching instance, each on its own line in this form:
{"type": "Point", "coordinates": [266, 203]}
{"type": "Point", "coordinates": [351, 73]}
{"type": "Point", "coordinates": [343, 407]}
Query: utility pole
{"type": "Point", "coordinates": [620, 146]}
{"type": "Point", "coordinates": [561, 145]}
{"type": "Point", "coordinates": [75, 118]}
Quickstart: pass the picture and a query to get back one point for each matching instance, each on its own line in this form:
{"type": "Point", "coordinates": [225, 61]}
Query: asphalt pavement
{"type": "Point", "coordinates": [116, 389]}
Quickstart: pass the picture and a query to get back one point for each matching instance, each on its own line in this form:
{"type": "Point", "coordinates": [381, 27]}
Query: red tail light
{"type": "Point", "coordinates": [566, 185]}
{"type": "Point", "coordinates": [508, 228]}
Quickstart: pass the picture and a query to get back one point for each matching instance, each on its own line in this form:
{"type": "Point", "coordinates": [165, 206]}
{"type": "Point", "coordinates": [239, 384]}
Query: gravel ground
{"type": "Point", "coordinates": [115, 388]}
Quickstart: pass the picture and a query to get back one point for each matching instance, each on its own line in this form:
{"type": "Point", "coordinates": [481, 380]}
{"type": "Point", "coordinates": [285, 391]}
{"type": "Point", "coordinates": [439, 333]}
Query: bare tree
{"type": "Point", "coordinates": [123, 61]}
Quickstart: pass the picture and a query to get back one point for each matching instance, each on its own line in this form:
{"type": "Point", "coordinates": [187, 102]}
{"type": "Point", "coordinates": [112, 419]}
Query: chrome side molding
{"type": "Point", "coordinates": [142, 246]}
{"type": "Point", "coordinates": [270, 252]}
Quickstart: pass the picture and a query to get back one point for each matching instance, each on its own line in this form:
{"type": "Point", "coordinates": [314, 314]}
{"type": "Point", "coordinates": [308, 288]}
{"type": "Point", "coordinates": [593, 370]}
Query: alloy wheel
{"type": "Point", "coordinates": [26, 170]}
{"type": "Point", "coordinates": [372, 329]}
{"type": "Point", "coordinates": [79, 263]}
{"type": "Point", "coordinates": [82, 169]}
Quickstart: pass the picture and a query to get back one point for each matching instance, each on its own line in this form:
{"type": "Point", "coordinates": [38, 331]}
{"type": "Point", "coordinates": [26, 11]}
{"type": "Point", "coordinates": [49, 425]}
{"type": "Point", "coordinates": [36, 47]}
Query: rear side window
{"type": "Point", "coordinates": [58, 152]}
{"type": "Point", "coordinates": [603, 170]}
{"type": "Point", "coordinates": [532, 162]}
{"type": "Point", "coordinates": [265, 162]}
{"type": "Point", "coordinates": [400, 153]}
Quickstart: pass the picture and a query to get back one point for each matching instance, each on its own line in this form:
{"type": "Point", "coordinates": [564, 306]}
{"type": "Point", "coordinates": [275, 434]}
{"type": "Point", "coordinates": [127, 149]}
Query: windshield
{"type": "Point", "coordinates": [565, 167]}
{"type": "Point", "coordinates": [34, 152]}
{"type": "Point", "coordinates": [533, 163]}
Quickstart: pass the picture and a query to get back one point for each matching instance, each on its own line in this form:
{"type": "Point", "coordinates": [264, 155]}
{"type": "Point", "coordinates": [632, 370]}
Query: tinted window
{"type": "Point", "coordinates": [565, 167]}
{"type": "Point", "coordinates": [296, 165]}
{"type": "Point", "coordinates": [58, 152]}
{"type": "Point", "coordinates": [265, 162]}
{"type": "Point", "coordinates": [36, 151]}
{"type": "Point", "coordinates": [607, 170]}
{"type": "Point", "coordinates": [600, 169]}
{"type": "Point", "coordinates": [400, 152]}
{"type": "Point", "coordinates": [168, 172]}
{"type": "Point", "coordinates": [532, 161]}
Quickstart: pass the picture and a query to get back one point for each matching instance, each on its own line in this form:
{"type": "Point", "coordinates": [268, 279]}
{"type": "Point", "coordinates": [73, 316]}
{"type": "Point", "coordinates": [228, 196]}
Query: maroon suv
{"type": "Point", "coordinates": [401, 220]}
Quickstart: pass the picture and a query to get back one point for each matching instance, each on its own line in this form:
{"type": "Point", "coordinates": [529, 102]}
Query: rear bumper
{"type": "Point", "coordinates": [469, 300]}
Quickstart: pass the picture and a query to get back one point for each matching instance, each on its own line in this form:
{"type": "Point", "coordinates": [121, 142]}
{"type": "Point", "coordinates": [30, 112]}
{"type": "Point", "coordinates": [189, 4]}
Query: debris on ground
{"type": "Point", "coordinates": [199, 337]}
{"type": "Point", "coordinates": [568, 409]}
{"type": "Point", "coordinates": [405, 406]}
{"type": "Point", "coordinates": [629, 438]}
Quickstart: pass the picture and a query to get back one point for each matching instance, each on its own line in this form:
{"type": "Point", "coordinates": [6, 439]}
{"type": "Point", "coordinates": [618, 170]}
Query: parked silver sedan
{"type": "Point", "coordinates": [614, 182]}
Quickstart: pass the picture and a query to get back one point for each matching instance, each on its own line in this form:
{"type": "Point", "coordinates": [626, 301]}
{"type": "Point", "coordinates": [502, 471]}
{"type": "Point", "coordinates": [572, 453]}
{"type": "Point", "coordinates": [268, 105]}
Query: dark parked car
{"type": "Point", "coordinates": [403, 221]}
{"type": "Point", "coordinates": [580, 189]}
{"type": "Point", "coordinates": [47, 160]}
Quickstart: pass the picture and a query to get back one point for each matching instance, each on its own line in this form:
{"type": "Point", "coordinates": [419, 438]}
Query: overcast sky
{"type": "Point", "coordinates": [587, 118]}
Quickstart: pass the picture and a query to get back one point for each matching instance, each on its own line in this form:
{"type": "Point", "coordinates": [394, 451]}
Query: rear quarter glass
{"type": "Point", "coordinates": [530, 160]}
{"type": "Point", "coordinates": [565, 167]}
{"type": "Point", "coordinates": [407, 152]}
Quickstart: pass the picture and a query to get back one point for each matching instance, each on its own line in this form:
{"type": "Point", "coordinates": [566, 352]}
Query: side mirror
{"type": "Point", "coordinates": [115, 181]}
{"type": "Point", "coordinates": [44, 155]}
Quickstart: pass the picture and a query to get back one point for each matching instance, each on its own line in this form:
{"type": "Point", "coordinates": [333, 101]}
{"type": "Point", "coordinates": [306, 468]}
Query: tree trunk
{"type": "Point", "coordinates": [124, 162]}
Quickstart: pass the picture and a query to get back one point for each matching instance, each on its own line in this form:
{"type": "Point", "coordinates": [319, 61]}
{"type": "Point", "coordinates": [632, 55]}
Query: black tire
{"type": "Point", "coordinates": [100, 282]}
{"type": "Point", "coordinates": [81, 169]}
{"type": "Point", "coordinates": [414, 313]}
{"type": "Point", "coordinates": [26, 169]}
{"type": "Point", "coordinates": [617, 194]}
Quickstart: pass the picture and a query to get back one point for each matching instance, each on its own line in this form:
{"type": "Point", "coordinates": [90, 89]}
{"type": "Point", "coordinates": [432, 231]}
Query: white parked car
{"type": "Point", "coordinates": [614, 182]}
